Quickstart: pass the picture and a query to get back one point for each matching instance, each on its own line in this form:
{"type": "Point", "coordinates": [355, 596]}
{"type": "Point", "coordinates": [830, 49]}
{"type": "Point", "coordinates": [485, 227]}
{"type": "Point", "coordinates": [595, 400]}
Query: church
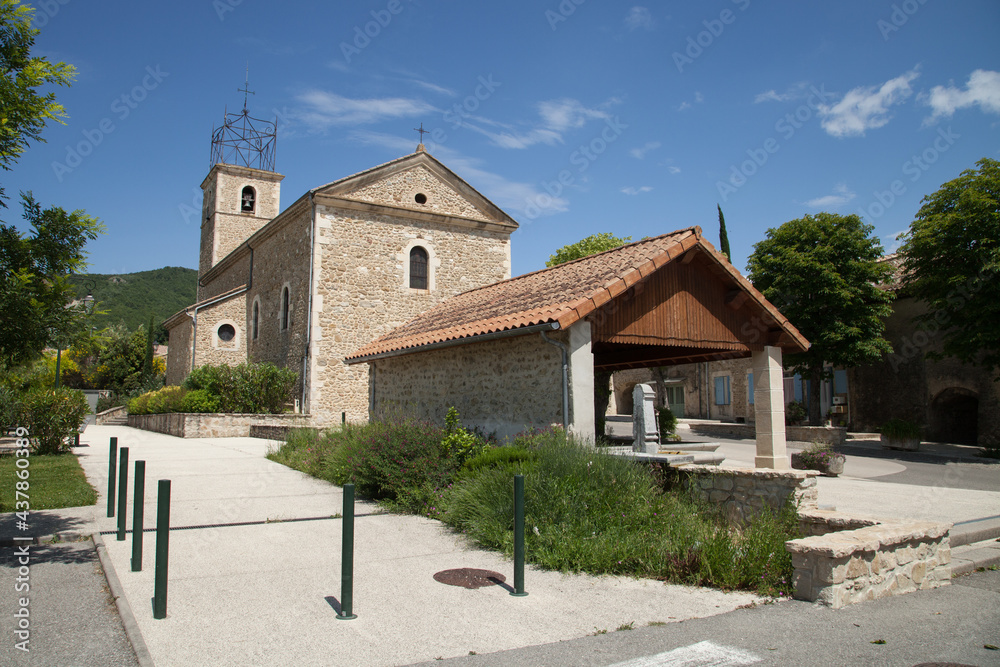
{"type": "Point", "coordinates": [391, 290]}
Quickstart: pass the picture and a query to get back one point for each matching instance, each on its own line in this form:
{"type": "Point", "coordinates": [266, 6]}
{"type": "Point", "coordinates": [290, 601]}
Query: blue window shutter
{"type": "Point", "coordinates": [720, 386]}
{"type": "Point", "coordinates": [750, 387]}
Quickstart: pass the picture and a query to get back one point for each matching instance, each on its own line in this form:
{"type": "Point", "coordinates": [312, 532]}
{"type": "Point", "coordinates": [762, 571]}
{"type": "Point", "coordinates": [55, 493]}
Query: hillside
{"type": "Point", "coordinates": [130, 298]}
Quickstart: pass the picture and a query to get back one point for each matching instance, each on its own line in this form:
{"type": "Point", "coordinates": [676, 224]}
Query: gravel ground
{"type": "Point", "coordinates": [73, 620]}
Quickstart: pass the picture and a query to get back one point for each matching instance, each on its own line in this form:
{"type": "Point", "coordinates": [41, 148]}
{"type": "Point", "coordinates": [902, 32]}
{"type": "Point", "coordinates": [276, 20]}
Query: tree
{"type": "Point", "coordinates": [589, 246]}
{"type": "Point", "coordinates": [36, 299]}
{"type": "Point", "coordinates": [951, 261]}
{"type": "Point", "coordinates": [23, 111]}
{"type": "Point", "coordinates": [147, 361]}
{"type": "Point", "coordinates": [822, 272]}
{"type": "Point", "coordinates": [723, 236]}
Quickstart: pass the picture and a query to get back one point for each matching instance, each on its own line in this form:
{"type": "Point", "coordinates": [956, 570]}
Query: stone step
{"type": "Point", "coordinates": [968, 558]}
{"type": "Point", "coordinates": [979, 530]}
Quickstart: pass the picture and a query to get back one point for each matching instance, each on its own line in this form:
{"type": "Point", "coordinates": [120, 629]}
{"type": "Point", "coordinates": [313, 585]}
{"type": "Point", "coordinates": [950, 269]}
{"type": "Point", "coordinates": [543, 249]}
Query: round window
{"type": "Point", "coordinates": [420, 198]}
{"type": "Point", "coordinates": [226, 333]}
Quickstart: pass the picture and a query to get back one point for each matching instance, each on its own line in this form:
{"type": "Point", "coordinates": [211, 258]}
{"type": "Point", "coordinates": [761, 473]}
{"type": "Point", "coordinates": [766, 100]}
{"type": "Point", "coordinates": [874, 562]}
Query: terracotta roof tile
{"type": "Point", "coordinates": [565, 294]}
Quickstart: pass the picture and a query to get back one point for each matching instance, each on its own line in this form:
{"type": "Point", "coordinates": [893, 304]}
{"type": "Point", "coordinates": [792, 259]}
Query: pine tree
{"type": "Point", "coordinates": [723, 236]}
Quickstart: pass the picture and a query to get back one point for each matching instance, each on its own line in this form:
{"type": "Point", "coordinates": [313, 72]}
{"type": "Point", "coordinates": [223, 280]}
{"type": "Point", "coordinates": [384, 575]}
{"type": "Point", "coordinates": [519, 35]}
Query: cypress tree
{"type": "Point", "coordinates": [723, 236]}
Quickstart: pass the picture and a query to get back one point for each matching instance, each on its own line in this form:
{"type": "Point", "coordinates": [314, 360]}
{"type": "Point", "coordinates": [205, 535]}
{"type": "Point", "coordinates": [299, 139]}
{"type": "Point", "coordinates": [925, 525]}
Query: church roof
{"type": "Point", "coordinates": [558, 297]}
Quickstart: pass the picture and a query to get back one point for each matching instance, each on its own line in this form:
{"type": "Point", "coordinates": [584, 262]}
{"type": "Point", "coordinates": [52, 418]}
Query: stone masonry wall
{"type": "Point", "coordinates": [743, 492]}
{"type": "Point", "coordinates": [402, 188]}
{"type": "Point", "coordinates": [209, 348]}
{"type": "Point", "coordinates": [211, 425]}
{"type": "Point", "coordinates": [503, 386]}
{"type": "Point", "coordinates": [224, 225]}
{"type": "Point", "coordinates": [361, 294]}
{"type": "Point", "coordinates": [281, 259]}
{"type": "Point", "coordinates": [179, 357]}
{"type": "Point", "coordinates": [869, 562]}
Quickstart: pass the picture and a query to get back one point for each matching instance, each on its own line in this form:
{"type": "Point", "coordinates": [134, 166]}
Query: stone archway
{"type": "Point", "coordinates": [954, 416]}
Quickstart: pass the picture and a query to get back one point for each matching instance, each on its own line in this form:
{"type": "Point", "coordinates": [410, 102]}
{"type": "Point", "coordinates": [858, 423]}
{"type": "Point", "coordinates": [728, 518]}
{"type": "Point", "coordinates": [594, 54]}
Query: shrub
{"type": "Point", "coordinates": [795, 413]}
{"type": "Point", "coordinates": [139, 405]}
{"type": "Point", "coordinates": [900, 429]}
{"type": "Point", "coordinates": [205, 377]}
{"type": "Point", "coordinates": [667, 422]}
{"type": "Point", "coordinates": [199, 400]}
{"type": "Point", "coordinates": [165, 400]}
{"type": "Point", "coordinates": [10, 407]}
{"type": "Point", "coordinates": [818, 456]}
{"type": "Point", "coordinates": [457, 442]}
{"type": "Point", "coordinates": [52, 417]}
{"type": "Point", "coordinates": [495, 457]}
{"type": "Point", "coordinates": [247, 388]}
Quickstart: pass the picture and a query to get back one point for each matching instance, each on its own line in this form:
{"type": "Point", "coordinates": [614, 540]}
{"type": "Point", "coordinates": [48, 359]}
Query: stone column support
{"type": "Point", "coordinates": [581, 381]}
{"type": "Point", "coordinates": [769, 408]}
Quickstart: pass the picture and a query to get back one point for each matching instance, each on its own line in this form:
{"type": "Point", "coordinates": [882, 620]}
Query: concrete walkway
{"type": "Point", "coordinates": [266, 591]}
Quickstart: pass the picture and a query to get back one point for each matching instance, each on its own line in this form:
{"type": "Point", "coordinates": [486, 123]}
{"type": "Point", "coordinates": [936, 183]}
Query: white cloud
{"type": "Point", "coordinates": [674, 170]}
{"type": "Point", "coordinates": [338, 65]}
{"type": "Point", "coordinates": [639, 17]}
{"type": "Point", "coordinates": [698, 97]}
{"type": "Point", "coordinates": [323, 110]}
{"type": "Point", "coordinates": [556, 118]}
{"type": "Point", "coordinates": [894, 241]}
{"type": "Point", "coordinates": [640, 153]}
{"type": "Point", "coordinates": [866, 108]}
{"type": "Point", "coordinates": [796, 91]}
{"type": "Point", "coordinates": [632, 190]}
{"type": "Point", "coordinates": [983, 89]}
{"type": "Point", "coordinates": [842, 196]}
{"type": "Point", "coordinates": [434, 88]}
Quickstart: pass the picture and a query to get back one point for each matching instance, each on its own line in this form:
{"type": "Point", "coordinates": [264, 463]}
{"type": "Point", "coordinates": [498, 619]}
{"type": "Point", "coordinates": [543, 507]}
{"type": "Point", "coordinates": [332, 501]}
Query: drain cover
{"type": "Point", "coordinates": [468, 577]}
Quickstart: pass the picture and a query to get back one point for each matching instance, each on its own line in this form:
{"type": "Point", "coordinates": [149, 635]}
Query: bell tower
{"type": "Point", "coordinates": [242, 191]}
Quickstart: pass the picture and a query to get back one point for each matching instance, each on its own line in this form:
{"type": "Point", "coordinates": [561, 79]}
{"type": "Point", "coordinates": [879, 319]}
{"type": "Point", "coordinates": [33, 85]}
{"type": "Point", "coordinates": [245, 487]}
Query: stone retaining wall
{"type": "Point", "coordinates": [827, 435]}
{"type": "Point", "coordinates": [841, 567]}
{"type": "Point", "coordinates": [211, 425]}
{"type": "Point", "coordinates": [102, 418]}
{"type": "Point", "coordinates": [272, 431]}
{"type": "Point", "coordinates": [745, 491]}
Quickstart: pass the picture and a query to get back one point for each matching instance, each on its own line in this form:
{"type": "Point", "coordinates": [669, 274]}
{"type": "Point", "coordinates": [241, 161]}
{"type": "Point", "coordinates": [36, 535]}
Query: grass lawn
{"type": "Point", "coordinates": [53, 482]}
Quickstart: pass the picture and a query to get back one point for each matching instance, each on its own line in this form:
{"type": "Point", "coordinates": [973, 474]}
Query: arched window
{"type": "Point", "coordinates": [284, 308]}
{"type": "Point", "coordinates": [248, 200]}
{"type": "Point", "coordinates": [256, 319]}
{"type": "Point", "coordinates": [418, 268]}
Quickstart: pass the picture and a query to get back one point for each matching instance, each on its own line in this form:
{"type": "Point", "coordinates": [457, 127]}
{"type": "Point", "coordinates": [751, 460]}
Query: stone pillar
{"type": "Point", "coordinates": [645, 430]}
{"type": "Point", "coordinates": [581, 380]}
{"type": "Point", "coordinates": [769, 409]}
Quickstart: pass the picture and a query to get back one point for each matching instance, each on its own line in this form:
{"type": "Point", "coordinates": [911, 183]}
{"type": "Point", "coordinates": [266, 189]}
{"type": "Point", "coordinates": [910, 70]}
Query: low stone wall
{"type": "Point", "coordinates": [745, 491]}
{"type": "Point", "coordinates": [272, 431]}
{"type": "Point", "coordinates": [827, 435]}
{"type": "Point", "coordinates": [211, 425]}
{"type": "Point", "coordinates": [875, 560]}
{"type": "Point", "coordinates": [120, 412]}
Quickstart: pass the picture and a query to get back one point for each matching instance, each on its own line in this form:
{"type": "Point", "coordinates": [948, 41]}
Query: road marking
{"type": "Point", "coordinates": [702, 654]}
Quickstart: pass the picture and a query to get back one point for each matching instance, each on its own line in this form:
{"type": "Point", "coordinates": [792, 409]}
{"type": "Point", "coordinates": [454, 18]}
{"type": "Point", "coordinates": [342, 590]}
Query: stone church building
{"type": "Point", "coordinates": [345, 263]}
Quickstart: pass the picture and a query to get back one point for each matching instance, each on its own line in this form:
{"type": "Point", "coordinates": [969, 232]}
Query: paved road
{"type": "Point", "coordinates": [945, 625]}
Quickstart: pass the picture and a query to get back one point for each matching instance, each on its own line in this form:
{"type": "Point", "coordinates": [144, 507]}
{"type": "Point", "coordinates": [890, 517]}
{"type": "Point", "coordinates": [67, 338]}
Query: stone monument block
{"type": "Point", "coordinates": [645, 430]}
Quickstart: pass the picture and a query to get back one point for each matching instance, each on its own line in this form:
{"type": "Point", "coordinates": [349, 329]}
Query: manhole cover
{"type": "Point", "coordinates": [468, 577]}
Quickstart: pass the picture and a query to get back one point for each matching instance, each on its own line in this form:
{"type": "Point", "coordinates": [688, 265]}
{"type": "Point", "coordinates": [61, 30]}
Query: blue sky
{"type": "Point", "coordinates": [576, 117]}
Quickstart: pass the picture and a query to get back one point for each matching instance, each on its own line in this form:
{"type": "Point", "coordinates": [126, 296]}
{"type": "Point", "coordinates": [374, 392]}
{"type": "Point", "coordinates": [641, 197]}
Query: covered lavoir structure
{"type": "Point", "coordinates": [522, 352]}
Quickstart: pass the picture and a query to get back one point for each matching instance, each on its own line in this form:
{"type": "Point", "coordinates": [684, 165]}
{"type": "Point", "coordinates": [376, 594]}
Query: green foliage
{"type": "Point", "coordinates": [120, 361]}
{"type": "Point", "coordinates": [247, 388]}
{"type": "Point", "coordinates": [35, 295]}
{"type": "Point", "coordinates": [199, 400]}
{"type": "Point", "coordinates": [951, 261]}
{"type": "Point", "coordinates": [10, 406]}
{"type": "Point", "coordinates": [795, 413]}
{"type": "Point", "coordinates": [900, 429]}
{"type": "Point", "coordinates": [458, 443]}
{"type": "Point", "coordinates": [25, 111]}
{"type": "Point", "coordinates": [206, 377]}
{"type": "Point", "coordinates": [667, 421]}
{"type": "Point", "coordinates": [128, 299]}
{"type": "Point", "coordinates": [147, 359]}
{"type": "Point", "coordinates": [589, 246]}
{"type": "Point", "coordinates": [56, 482]}
{"type": "Point", "coordinates": [167, 399]}
{"type": "Point", "coordinates": [52, 417]}
{"type": "Point", "coordinates": [723, 236]}
{"type": "Point", "coordinates": [823, 274]}
{"type": "Point", "coordinates": [499, 457]}
{"type": "Point", "coordinates": [596, 513]}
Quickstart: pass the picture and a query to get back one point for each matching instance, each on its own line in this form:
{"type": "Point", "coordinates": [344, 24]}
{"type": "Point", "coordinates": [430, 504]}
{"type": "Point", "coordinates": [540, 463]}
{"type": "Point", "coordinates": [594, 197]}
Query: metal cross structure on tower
{"type": "Point", "coordinates": [422, 132]}
{"type": "Point", "coordinates": [246, 89]}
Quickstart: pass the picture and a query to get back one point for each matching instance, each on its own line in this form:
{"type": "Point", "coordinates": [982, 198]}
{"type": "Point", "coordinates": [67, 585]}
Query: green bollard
{"type": "Point", "coordinates": [138, 503]}
{"type": "Point", "coordinates": [347, 558]}
{"type": "Point", "coordinates": [162, 537]}
{"type": "Point", "coordinates": [122, 492]}
{"type": "Point", "coordinates": [519, 536]}
{"type": "Point", "coordinates": [112, 474]}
